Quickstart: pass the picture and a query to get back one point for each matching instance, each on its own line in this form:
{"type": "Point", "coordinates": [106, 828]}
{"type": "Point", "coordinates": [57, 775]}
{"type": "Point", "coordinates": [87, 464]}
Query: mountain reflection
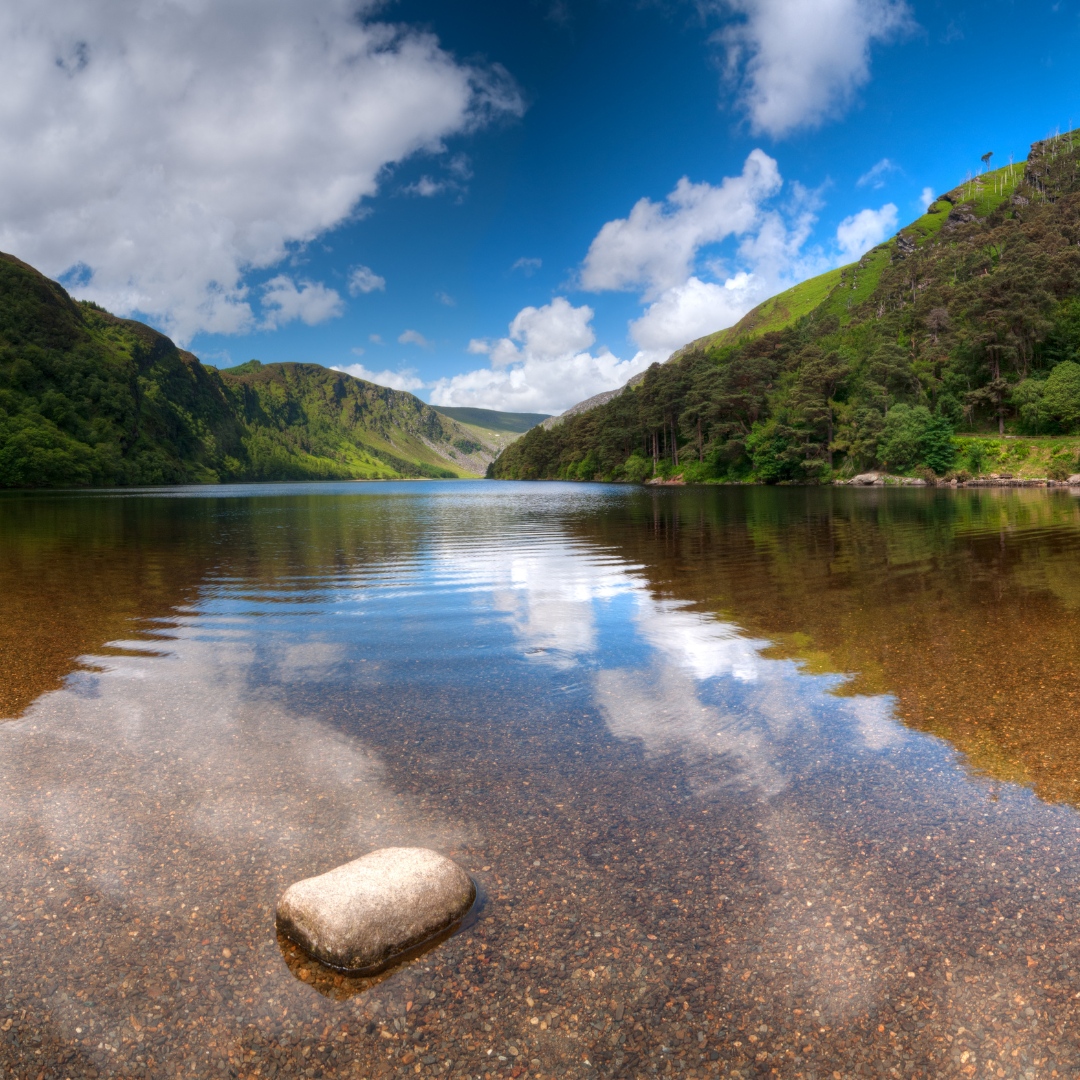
{"type": "Point", "coordinates": [962, 606]}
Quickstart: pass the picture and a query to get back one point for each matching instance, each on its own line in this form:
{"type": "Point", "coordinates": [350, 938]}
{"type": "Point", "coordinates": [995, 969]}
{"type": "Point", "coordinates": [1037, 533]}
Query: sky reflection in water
{"type": "Point", "coordinates": [687, 837]}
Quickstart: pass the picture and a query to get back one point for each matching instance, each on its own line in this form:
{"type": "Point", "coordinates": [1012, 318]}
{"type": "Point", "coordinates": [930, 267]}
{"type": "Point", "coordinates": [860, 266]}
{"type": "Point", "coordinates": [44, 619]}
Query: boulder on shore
{"type": "Point", "coordinates": [361, 916]}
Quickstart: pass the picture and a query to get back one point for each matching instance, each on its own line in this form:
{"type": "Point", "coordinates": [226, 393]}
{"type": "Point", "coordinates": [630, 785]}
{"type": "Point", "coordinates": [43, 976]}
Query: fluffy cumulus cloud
{"type": "Point", "coordinates": [799, 62]}
{"type": "Point", "coordinates": [653, 249]}
{"type": "Point", "coordinates": [168, 148]}
{"type": "Point", "coordinates": [545, 364]}
{"type": "Point", "coordinates": [692, 310]}
{"type": "Point", "coordinates": [662, 251]}
{"type": "Point", "coordinates": [857, 234]}
{"type": "Point", "coordinates": [283, 301]}
{"type": "Point", "coordinates": [396, 380]}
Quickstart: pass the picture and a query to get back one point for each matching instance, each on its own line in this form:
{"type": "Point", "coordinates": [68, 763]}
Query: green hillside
{"type": "Point", "coordinates": [90, 399]}
{"type": "Point", "coordinates": [492, 431]}
{"type": "Point", "coordinates": [491, 420]}
{"type": "Point", "coordinates": [966, 323]}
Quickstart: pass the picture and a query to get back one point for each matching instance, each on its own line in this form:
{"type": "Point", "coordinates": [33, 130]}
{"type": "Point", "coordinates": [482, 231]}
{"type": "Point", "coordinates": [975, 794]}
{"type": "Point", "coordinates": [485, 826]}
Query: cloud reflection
{"type": "Point", "coordinates": [699, 688]}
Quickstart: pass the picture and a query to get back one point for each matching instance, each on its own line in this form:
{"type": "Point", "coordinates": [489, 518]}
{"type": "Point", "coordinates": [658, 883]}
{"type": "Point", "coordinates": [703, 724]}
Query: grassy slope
{"type": "Point", "coordinates": [777, 312]}
{"type": "Point", "coordinates": [90, 399]}
{"type": "Point", "coordinates": [491, 431]}
{"type": "Point", "coordinates": [492, 420]}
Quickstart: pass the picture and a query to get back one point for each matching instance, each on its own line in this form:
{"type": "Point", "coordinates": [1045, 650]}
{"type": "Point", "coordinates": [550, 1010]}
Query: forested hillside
{"type": "Point", "coordinates": [90, 399]}
{"type": "Point", "coordinates": [967, 321]}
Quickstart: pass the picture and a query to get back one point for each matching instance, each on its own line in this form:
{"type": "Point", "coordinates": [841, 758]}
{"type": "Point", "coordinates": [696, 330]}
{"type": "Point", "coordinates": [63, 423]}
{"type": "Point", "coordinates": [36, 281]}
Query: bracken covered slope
{"type": "Point", "coordinates": [968, 320]}
{"type": "Point", "coordinates": [90, 399]}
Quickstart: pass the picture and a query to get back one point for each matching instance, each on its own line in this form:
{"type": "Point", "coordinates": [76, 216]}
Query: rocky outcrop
{"type": "Point", "coordinates": [364, 915]}
{"type": "Point", "coordinates": [875, 479]}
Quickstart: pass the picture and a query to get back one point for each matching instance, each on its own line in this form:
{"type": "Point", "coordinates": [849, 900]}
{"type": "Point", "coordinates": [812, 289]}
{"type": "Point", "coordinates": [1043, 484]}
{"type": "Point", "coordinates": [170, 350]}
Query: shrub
{"type": "Point", "coordinates": [1059, 469]}
{"type": "Point", "coordinates": [938, 448]}
{"type": "Point", "coordinates": [636, 469]}
{"type": "Point", "coordinates": [913, 436]}
{"type": "Point", "coordinates": [1061, 395]}
{"type": "Point", "coordinates": [770, 453]}
{"type": "Point", "coordinates": [975, 456]}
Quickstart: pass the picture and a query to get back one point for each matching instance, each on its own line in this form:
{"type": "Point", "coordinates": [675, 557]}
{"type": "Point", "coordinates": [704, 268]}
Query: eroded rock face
{"type": "Point", "coordinates": [361, 916]}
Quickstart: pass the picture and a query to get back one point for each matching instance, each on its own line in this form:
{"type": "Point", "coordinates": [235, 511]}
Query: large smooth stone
{"type": "Point", "coordinates": [360, 916]}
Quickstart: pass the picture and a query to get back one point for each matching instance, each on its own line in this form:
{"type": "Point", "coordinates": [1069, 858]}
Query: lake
{"type": "Point", "coordinates": [753, 781]}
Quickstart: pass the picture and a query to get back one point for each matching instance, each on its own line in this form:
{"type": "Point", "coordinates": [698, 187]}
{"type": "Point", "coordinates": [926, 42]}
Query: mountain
{"type": "Point", "coordinates": [493, 431]}
{"type": "Point", "coordinates": [966, 321]}
{"type": "Point", "coordinates": [492, 420]}
{"type": "Point", "coordinates": [87, 398]}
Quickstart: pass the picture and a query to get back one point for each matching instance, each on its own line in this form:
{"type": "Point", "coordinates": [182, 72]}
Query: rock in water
{"type": "Point", "coordinates": [361, 916]}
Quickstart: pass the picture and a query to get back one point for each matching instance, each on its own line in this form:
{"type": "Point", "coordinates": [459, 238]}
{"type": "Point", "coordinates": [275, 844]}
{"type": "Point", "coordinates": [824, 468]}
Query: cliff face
{"type": "Point", "coordinates": [90, 399]}
{"type": "Point", "coordinates": [968, 320]}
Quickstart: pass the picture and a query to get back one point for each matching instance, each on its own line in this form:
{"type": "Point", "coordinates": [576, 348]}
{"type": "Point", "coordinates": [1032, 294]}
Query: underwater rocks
{"type": "Point", "coordinates": [363, 915]}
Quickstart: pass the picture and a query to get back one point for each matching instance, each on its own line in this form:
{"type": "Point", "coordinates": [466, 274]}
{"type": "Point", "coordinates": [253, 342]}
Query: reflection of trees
{"type": "Point", "coordinates": [965, 605]}
{"type": "Point", "coordinates": [77, 572]}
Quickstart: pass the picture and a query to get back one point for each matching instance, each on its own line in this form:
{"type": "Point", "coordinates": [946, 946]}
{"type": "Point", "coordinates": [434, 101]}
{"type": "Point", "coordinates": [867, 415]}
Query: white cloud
{"type": "Point", "coordinates": [364, 280]}
{"type": "Point", "coordinates": [445, 298]}
{"type": "Point", "coordinates": [926, 198]}
{"type": "Point", "coordinates": [172, 150]}
{"type": "Point", "coordinates": [658, 246]}
{"type": "Point", "coordinates": [527, 266]}
{"type": "Point", "coordinates": [800, 62]}
{"type": "Point", "coordinates": [479, 347]}
{"type": "Point", "coordinates": [460, 167]}
{"type": "Point", "coordinates": [551, 331]}
{"type": "Point", "coordinates": [397, 380]}
{"type": "Point", "coordinates": [543, 366]}
{"type": "Point", "coordinates": [654, 248]}
{"type": "Point", "coordinates": [312, 302]}
{"type": "Point", "coordinates": [425, 187]}
{"type": "Point", "coordinates": [375, 339]}
{"type": "Point", "coordinates": [413, 337]}
{"type": "Point", "coordinates": [857, 234]}
{"type": "Point", "coordinates": [693, 310]}
{"type": "Point", "coordinates": [875, 176]}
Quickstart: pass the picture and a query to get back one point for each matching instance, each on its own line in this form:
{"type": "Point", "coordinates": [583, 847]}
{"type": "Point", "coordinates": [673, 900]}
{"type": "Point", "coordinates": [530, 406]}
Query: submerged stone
{"type": "Point", "coordinates": [363, 915]}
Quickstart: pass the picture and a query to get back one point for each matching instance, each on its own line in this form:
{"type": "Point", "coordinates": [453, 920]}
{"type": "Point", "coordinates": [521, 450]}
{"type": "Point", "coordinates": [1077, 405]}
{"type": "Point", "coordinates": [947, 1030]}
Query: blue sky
{"type": "Point", "coordinates": [449, 198]}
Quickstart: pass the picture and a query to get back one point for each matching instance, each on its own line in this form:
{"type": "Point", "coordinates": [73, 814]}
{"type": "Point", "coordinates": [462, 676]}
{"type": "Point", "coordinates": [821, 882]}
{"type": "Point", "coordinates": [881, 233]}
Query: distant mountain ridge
{"type": "Point", "coordinates": [491, 419]}
{"type": "Point", "coordinates": [87, 398]}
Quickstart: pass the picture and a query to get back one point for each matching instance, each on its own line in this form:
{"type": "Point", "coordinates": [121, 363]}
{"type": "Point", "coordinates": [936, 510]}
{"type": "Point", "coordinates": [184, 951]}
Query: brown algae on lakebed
{"type": "Point", "coordinates": [699, 860]}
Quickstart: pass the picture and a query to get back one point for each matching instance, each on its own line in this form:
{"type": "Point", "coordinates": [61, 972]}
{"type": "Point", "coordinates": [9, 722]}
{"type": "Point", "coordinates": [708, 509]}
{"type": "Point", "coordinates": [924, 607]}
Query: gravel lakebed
{"type": "Point", "coordinates": [693, 859]}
